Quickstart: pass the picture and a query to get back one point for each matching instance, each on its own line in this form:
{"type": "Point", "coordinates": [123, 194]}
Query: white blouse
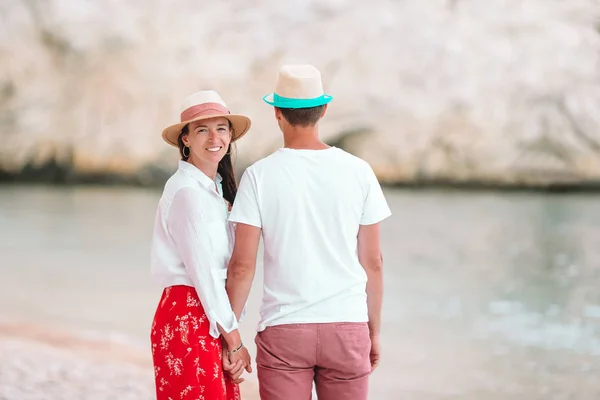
{"type": "Point", "coordinates": [193, 241]}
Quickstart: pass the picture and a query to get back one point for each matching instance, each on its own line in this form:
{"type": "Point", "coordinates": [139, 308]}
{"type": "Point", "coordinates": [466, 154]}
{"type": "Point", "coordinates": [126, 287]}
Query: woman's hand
{"type": "Point", "coordinates": [235, 358]}
{"type": "Point", "coordinates": [232, 369]}
{"type": "Point", "coordinates": [235, 361]}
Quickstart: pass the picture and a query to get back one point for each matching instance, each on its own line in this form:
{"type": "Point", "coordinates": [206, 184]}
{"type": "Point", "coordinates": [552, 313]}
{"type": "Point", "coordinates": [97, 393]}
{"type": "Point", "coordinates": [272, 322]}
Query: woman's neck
{"type": "Point", "coordinates": [209, 169]}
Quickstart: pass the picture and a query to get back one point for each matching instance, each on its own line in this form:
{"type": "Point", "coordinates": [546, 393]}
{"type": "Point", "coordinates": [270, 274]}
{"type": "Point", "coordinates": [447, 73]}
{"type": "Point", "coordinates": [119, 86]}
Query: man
{"type": "Point", "coordinates": [318, 209]}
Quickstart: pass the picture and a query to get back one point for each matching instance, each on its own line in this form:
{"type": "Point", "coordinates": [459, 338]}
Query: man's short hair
{"type": "Point", "coordinates": [302, 116]}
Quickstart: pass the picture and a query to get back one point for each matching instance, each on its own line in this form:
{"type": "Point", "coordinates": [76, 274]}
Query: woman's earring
{"type": "Point", "coordinates": [188, 151]}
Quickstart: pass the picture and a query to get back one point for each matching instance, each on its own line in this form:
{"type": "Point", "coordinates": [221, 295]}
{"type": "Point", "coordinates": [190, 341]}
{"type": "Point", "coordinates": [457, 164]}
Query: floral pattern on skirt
{"type": "Point", "coordinates": [187, 360]}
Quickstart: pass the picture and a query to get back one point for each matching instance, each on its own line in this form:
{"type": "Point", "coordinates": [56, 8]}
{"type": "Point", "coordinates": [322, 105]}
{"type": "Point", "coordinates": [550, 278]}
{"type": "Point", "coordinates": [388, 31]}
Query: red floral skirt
{"type": "Point", "coordinates": [187, 360]}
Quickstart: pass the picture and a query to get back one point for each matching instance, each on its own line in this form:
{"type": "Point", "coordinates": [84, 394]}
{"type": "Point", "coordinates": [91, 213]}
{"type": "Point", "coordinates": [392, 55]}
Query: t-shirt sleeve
{"type": "Point", "coordinates": [375, 208]}
{"type": "Point", "coordinates": [246, 208]}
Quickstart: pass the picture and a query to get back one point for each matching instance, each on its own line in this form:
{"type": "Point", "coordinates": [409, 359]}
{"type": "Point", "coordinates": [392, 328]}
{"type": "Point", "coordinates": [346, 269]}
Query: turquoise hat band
{"type": "Point", "coordinates": [287, 102]}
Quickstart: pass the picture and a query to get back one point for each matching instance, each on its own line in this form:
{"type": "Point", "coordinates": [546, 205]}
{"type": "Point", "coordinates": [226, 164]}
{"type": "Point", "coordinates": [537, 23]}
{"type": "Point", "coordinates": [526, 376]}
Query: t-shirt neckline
{"type": "Point", "coordinates": [287, 149]}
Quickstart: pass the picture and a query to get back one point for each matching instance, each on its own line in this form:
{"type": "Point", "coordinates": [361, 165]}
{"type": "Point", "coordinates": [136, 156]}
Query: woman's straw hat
{"type": "Point", "coordinates": [201, 105]}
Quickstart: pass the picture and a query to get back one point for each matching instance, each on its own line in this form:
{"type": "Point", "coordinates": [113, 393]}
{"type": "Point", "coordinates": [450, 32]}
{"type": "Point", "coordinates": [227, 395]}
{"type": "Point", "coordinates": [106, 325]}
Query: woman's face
{"type": "Point", "coordinates": [208, 140]}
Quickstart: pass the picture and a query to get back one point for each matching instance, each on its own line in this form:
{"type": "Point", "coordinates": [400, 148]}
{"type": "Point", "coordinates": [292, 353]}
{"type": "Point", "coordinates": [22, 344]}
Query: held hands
{"type": "Point", "coordinates": [235, 361]}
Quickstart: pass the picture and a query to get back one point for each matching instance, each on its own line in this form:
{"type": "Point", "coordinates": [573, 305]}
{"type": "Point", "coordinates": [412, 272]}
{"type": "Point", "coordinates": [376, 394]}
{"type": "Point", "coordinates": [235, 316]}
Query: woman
{"type": "Point", "coordinates": [191, 247]}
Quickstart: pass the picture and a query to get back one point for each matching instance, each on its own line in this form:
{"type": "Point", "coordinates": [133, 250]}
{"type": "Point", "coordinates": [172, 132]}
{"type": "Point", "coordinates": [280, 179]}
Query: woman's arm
{"type": "Point", "coordinates": [188, 229]}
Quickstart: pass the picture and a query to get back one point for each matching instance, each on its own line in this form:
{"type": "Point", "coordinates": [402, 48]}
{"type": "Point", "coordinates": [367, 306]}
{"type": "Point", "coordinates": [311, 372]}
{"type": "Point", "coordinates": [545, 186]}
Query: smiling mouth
{"type": "Point", "coordinates": [214, 149]}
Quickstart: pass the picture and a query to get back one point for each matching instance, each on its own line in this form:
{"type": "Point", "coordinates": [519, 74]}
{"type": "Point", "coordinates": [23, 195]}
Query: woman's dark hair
{"type": "Point", "coordinates": [225, 168]}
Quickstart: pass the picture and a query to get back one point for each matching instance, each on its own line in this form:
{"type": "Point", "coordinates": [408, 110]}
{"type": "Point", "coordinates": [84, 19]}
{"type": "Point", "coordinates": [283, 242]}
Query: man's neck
{"type": "Point", "coordinates": [303, 138]}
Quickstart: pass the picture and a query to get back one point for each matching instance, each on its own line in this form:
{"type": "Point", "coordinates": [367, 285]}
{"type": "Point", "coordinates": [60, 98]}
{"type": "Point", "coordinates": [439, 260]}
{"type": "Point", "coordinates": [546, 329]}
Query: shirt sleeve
{"type": "Point", "coordinates": [375, 208]}
{"type": "Point", "coordinates": [188, 228]}
{"type": "Point", "coordinates": [245, 207]}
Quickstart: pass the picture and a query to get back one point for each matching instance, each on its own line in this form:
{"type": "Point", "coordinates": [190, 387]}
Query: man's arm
{"type": "Point", "coordinates": [242, 266]}
{"type": "Point", "coordinates": [369, 255]}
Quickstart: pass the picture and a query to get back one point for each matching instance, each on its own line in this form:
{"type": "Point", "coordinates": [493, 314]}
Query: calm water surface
{"type": "Point", "coordinates": [487, 295]}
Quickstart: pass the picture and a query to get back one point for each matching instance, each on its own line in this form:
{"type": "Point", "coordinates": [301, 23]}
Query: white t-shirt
{"type": "Point", "coordinates": [309, 205]}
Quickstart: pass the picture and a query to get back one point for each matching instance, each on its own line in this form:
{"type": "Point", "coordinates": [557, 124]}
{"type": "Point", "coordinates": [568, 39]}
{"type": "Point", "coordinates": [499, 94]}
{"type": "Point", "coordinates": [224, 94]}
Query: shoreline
{"type": "Point", "coordinates": [553, 188]}
{"type": "Point", "coordinates": [154, 176]}
{"type": "Point", "coordinates": [98, 348]}
{"type": "Point", "coordinates": [58, 364]}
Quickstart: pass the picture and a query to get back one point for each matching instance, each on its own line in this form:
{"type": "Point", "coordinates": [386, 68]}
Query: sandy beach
{"type": "Point", "coordinates": [39, 363]}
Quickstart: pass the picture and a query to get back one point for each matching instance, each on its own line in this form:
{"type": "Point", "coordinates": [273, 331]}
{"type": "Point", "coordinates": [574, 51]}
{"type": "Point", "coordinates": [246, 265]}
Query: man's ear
{"type": "Point", "coordinates": [324, 111]}
{"type": "Point", "coordinates": [278, 114]}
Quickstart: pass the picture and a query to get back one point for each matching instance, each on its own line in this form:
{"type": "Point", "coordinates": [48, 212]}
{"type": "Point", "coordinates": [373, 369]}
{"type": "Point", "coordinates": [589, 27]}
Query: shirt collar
{"type": "Point", "coordinates": [195, 173]}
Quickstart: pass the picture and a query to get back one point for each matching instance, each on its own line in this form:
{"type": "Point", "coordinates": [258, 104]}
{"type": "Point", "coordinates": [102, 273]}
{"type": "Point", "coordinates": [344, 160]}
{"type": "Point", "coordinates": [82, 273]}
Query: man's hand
{"type": "Point", "coordinates": [375, 353]}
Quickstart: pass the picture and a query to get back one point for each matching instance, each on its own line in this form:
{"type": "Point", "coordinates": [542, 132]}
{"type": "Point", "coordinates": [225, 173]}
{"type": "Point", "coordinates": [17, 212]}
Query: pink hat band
{"type": "Point", "coordinates": [204, 109]}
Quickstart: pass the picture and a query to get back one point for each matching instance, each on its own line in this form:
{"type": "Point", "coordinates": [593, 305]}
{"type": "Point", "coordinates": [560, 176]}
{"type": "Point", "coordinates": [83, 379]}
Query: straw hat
{"type": "Point", "coordinates": [298, 86]}
{"type": "Point", "coordinates": [201, 105]}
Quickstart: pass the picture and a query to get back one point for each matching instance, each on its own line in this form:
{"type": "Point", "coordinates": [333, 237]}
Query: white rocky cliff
{"type": "Point", "coordinates": [500, 92]}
